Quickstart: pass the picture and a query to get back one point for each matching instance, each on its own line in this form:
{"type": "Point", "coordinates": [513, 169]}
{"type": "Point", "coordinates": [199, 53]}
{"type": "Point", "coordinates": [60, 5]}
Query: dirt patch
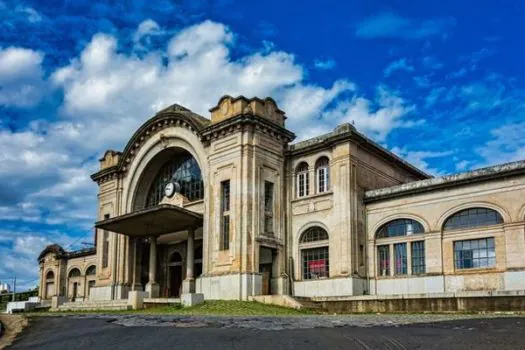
{"type": "Point", "coordinates": [14, 324]}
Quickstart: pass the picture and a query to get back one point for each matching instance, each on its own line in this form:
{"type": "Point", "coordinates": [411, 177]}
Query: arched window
{"type": "Point", "coordinates": [50, 276]}
{"type": "Point", "coordinates": [92, 270]}
{"type": "Point", "coordinates": [474, 253]}
{"type": "Point", "coordinates": [175, 258]}
{"type": "Point", "coordinates": [74, 273]}
{"type": "Point", "coordinates": [50, 285]}
{"type": "Point", "coordinates": [313, 246]}
{"type": "Point", "coordinates": [322, 171]}
{"type": "Point", "coordinates": [398, 264]}
{"type": "Point", "coordinates": [471, 218]}
{"type": "Point", "coordinates": [400, 227]}
{"type": "Point", "coordinates": [302, 184]}
{"type": "Point", "coordinates": [182, 169]}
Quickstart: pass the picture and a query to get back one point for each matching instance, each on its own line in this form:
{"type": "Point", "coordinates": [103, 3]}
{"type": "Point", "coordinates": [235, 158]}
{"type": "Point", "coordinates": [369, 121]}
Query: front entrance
{"type": "Point", "coordinates": [75, 290]}
{"type": "Point", "coordinates": [266, 268]}
{"type": "Point", "coordinates": [175, 275]}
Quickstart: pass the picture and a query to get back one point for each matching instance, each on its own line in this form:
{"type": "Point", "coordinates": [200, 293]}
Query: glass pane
{"type": "Point", "coordinates": [400, 227]}
{"type": "Point", "coordinates": [475, 253]}
{"type": "Point", "coordinates": [473, 217]}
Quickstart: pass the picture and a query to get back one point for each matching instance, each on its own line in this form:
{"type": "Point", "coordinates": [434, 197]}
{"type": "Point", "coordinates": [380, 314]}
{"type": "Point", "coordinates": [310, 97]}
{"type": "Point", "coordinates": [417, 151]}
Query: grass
{"type": "Point", "coordinates": [209, 307]}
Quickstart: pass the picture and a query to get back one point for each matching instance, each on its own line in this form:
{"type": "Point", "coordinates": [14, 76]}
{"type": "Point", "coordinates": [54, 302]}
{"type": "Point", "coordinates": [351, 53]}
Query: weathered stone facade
{"type": "Point", "coordinates": [249, 213]}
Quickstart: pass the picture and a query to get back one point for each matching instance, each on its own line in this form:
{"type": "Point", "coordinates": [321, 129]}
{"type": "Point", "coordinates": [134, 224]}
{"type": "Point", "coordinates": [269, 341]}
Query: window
{"type": "Point", "coordinates": [473, 217]}
{"type": "Point", "coordinates": [323, 174]}
{"type": "Point", "coordinates": [400, 227]}
{"type": "Point", "coordinates": [418, 257]}
{"type": "Point", "coordinates": [105, 246]}
{"type": "Point", "coordinates": [91, 270]}
{"type": "Point", "coordinates": [383, 257]}
{"type": "Point", "coordinates": [475, 253]}
{"type": "Point", "coordinates": [268, 207]}
{"type": "Point", "coordinates": [74, 273]}
{"type": "Point", "coordinates": [225, 210]}
{"type": "Point", "coordinates": [314, 234]}
{"type": "Point", "coordinates": [314, 253]}
{"type": "Point", "coordinates": [400, 259]}
{"type": "Point", "coordinates": [302, 180]}
{"type": "Point", "coordinates": [315, 263]}
{"type": "Point", "coordinates": [182, 169]}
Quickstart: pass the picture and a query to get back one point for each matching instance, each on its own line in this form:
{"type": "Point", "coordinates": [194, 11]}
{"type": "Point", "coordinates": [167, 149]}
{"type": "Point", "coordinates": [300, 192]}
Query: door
{"type": "Point", "coordinates": [266, 271]}
{"type": "Point", "coordinates": [50, 290]}
{"type": "Point", "coordinates": [75, 287]}
{"type": "Point", "coordinates": [175, 280]}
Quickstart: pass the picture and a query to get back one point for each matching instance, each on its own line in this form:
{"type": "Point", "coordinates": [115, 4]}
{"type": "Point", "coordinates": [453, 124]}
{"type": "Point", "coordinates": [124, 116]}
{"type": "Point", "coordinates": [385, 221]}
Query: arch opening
{"type": "Point", "coordinates": [472, 218]}
{"type": "Point", "coordinates": [314, 253]}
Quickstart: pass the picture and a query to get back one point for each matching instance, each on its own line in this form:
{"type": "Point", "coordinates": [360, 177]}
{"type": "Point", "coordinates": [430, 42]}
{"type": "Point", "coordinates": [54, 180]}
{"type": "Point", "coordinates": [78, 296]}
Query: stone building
{"type": "Point", "coordinates": [229, 208]}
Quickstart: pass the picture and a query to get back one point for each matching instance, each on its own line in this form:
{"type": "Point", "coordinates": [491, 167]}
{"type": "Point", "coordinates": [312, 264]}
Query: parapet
{"type": "Point", "coordinates": [109, 159]}
{"type": "Point", "coordinates": [229, 107]}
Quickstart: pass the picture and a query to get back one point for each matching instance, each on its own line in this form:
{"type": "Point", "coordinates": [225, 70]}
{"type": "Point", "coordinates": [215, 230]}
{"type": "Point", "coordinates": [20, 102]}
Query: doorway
{"type": "Point", "coordinates": [266, 267]}
{"type": "Point", "coordinates": [75, 290]}
{"type": "Point", "coordinates": [175, 275]}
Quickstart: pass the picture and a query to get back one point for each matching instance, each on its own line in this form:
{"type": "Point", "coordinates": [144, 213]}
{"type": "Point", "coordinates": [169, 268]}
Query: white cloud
{"type": "Point", "coordinates": [324, 64]}
{"type": "Point", "coordinates": [21, 77]}
{"type": "Point", "coordinates": [420, 158]}
{"type": "Point", "coordinates": [391, 25]}
{"type": "Point", "coordinates": [32, 15]}
{"type": "Point", "coordinates": [507, 144]}
{"type": "Point", "coordinates": [146, 28]}
{"type": "Point", "coordinates": [375, 118]}
{"type": "Point", "coordinates": [399, 65]}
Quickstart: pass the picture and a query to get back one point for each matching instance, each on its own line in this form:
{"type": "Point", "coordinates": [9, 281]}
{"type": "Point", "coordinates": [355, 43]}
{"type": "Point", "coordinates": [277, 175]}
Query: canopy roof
{"type": "Point", "coordinates": [153, 221]}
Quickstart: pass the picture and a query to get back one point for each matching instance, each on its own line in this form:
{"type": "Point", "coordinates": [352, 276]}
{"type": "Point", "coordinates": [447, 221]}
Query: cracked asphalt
{"type": "Point", "coordinates": [366, 332]}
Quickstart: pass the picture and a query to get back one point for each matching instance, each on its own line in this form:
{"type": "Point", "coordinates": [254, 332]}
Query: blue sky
{"type": "Point", "coordinates": [439, 83]}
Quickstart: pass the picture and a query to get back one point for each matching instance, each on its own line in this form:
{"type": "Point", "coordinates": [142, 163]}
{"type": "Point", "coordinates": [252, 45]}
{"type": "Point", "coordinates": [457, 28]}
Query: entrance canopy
{"type": "Point", "coordinates": [153, 221]}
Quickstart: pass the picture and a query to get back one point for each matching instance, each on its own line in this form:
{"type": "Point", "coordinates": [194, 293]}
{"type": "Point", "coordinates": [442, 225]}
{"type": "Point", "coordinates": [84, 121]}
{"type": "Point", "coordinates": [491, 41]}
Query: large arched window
{"type": "Point", "coordinates": [471, 218]}
{"type": "Point", "coordinates": [474, 253]}
{"type": "Point", "coordinates": [405, 246]}
{"type": "Point", "coordinates": [313, 246]}
{"type": "Point", "coordinates": [302, 183]}
{"type": "Point", "coordinates": [74, 273]}
{"type": "Point", "coordinates": [91, 270]}
{"type": "Point", "coordinates": [182, 169]}
{"type": "Point", "coordinates": [400, 227]}
{"type": "Point", "coordinates": [322, 173]}
{"type": "Point", "coordinates": [50, 285]}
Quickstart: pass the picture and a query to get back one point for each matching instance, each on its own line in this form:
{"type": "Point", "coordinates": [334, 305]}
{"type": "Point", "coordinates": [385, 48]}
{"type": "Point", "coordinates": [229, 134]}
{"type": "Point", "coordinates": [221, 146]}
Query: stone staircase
{"type": "Point", "coordinates": [310, 304]}
{"type": "Point", "coordinates": [95, 305]}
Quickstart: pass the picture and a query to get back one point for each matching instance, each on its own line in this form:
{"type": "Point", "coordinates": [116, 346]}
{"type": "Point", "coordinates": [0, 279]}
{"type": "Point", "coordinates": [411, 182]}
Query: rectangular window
{"type": "Point", "coordinates": [383, 257]}
{"type": "Point", "coordinates": [475, 253]}
{"type": "Point", "coordinates": [302, 188]}
{"type": "Point", "coordinates": [418, 257]}
{"type": "Point", "coordinates": [400, 250]}
{"type": "Point", "coordinates": [323, 180]}
{"type": "Point", "coordinates": [225, 215]}
{"type": "Point", "coordinates": [315, 263]}
{"type": "Point", "coordinates": [105, 246]}
{"type": "Point", "coordinates": [268, 207]}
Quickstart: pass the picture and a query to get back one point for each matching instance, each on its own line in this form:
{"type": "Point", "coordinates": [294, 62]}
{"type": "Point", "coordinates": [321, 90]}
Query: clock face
{"type": "Point", "coordinates": [169, 190]}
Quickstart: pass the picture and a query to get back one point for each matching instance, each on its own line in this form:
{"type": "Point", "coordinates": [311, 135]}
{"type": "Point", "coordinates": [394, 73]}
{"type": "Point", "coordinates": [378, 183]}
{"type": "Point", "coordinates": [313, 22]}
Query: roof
{"type": "Point", "coordinates": [473, 176]}
{"type": "Point", "coordinates": [153, 221]}
{"type": "Point", "coordinates": [61, 253]}
{"type": "Point", "coordinates": [347, 131]}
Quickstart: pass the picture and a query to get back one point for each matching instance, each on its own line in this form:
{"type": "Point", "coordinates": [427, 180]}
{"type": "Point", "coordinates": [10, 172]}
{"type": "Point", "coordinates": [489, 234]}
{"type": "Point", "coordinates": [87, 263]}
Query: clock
{"type": "Point", "coordinates": [169, 190]}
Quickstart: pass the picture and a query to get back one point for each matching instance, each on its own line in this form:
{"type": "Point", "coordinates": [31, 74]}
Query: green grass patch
{"type": "Point", "coordinates": [209, 307]}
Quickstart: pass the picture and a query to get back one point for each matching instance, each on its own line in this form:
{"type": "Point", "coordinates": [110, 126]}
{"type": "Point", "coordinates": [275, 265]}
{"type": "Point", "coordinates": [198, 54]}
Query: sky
{"type": "Point", "coordinates": [440, 83]}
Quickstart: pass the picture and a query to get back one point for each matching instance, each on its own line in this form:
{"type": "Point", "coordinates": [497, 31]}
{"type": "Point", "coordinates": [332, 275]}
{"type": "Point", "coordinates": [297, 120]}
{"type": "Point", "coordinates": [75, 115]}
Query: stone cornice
{"type": "Point", "coordinates": [231, 125]}
{"type": "Point", "coordinates": [455, 180]}
{"type": "Point", "coordinates": [347, 132]}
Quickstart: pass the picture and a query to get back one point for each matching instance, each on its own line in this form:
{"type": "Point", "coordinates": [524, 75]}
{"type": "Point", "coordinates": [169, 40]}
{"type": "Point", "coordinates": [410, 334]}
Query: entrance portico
{"type": "Point", "coordinates": [153, 223]}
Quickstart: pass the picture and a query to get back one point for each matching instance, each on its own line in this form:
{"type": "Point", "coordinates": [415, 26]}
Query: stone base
{"type": "Point", "coordinates": [136, 299]}
{"type": "Point", "coordinates": [57, 301]}
{"type": "Point", "coordinates": [153, 290]}
{"type": "Point", "coordinates": [191, 299]}
{"type": "Point", "coordinates": [235, 286]}
{"type": "Point", "coordinates": [188, 286]}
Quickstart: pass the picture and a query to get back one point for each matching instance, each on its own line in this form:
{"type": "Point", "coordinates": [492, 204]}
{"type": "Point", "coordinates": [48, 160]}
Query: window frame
{"type": "Point", "coordinates": [314, 240]}
{"type": "Point", "coordinates": [225, 224]}
{"type": "Point", "coordinates": [322, 174]}
{"type": "Point", "coordinates": [488, 248]}
{"type": "Point", "coordinates": [466, 223]}
{"type": "Point", "coordinates": [268, 206]}
{"type": "Point", "coordinates": [302, 180]}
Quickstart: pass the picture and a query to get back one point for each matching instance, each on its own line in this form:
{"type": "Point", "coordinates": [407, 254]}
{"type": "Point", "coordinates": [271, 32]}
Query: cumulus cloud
{"type": "Point", "coordinates": [392, 25]}
{"type": "Point", "coordinates": [421, 158]}
{"type": "Point", "coordinates": [376, 118]}
{"type": "Point", "coordinates": [324, 64]}
{"type": "Point", "coordinates": [146, 28]}
{"type": "Point", "coordinates": [21, 77]}
{"type": "Point", "coordinates": [506, 145]}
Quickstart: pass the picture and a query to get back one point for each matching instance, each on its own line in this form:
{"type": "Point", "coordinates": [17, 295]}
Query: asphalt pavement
{"type": "Point", "coordinates": [205, 333]}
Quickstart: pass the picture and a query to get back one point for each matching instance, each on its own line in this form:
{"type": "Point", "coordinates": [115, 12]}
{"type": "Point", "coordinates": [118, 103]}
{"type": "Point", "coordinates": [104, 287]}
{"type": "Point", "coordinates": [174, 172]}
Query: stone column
{"type": "Point", "coordinates": [188, 285]}
{"type": "Point", "coordinates": [152, 287]}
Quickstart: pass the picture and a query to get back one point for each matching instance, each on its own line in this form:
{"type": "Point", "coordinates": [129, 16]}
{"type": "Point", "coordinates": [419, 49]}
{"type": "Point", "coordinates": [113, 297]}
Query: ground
{"type": "Point", "coordinates": [257, 332]}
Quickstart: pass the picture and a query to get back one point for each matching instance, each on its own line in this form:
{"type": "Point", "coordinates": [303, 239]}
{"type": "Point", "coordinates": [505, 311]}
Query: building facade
{"type": "Point", "coordinates": [229, 207]}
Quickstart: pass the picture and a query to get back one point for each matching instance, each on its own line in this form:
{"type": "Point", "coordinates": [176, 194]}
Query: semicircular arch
{"type": "Point", "coordinates": [444, 217]}
{"type": "Point", "coordinates": [390, 218]}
